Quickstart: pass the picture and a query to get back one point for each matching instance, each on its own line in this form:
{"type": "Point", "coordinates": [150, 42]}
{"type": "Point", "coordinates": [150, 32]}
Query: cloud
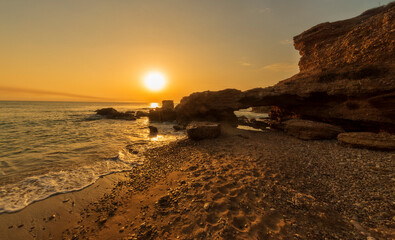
{"type": "Point", "coordinates": [265, 10]}
{"type": "Point", "coordinates": [282, 67]}
{"type": "Point", "coordinates": [245, 64]}
{"type": "Point", "coordinates": [45, 92]}
{"type": "Point", "coordinates": [286, 42]}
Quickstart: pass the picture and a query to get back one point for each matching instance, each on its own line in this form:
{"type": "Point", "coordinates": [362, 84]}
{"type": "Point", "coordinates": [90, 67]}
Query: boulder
{"type": "Point", "coordinates": [111, 113]}
{"type": "Point", "coordinates": [215, 106]}
{"type": "Point", "coordinates": [153, 130]}
{"type": "Point", "coordinates": [310, 130]}
{"type": "Point", "coordinates": [376, 141]}
{"type": "Point", "coordinates": [203, 130]}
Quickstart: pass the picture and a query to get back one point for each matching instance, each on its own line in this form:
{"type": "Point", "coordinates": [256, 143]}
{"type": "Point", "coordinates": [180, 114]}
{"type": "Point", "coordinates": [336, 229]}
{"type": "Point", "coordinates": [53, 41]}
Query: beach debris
{"type": "Point", "coordinates": [102, 220]}
{"type": "Point", "coordinates": [129, 147]}
{"type": "Point", "coordinates": [206, 206]}
{"type": "Point", "coordinates": [203, 130]}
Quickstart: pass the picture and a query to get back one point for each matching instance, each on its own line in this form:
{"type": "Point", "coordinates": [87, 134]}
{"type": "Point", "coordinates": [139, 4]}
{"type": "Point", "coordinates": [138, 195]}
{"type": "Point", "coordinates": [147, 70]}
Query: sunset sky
{"type": "Point", "coordinates": [100, 50]}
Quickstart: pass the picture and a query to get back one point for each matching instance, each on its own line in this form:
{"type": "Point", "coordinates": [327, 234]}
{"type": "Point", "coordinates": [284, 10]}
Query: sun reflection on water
{"type": "Point", "coordinates": [154, 105]}
{"type": "Point", "coordinates": [158, 138]}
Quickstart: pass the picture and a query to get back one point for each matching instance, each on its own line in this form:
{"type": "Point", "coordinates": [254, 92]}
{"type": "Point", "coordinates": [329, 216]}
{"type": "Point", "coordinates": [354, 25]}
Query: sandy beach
{"type": "Point", "coordinates": [242, 185]}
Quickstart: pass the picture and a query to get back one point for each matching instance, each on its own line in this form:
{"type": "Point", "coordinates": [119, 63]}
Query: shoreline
{"type": "Point", "coordinates": [66, 192]}
{"type": "Point", "coordinates": [44, 219]}
{"type": "Point", "coordinates": [243, 185]}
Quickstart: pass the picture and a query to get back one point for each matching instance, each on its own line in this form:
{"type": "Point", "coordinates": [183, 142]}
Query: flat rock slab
{"type": "Point", "coordinates": [203, 130]}
{"type": "Point", "coordinates": [376, 141]}
{"type": "Point", "coordinates": [310, 130]}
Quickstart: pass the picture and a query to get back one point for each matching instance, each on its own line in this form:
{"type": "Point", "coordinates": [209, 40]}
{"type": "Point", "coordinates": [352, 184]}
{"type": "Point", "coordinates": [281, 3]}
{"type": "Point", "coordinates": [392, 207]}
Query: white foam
{"type": "Point", "coordinates": [16, 196]}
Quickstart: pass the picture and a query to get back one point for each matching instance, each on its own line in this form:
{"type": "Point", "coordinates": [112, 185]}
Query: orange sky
{"type": "Point", "coordinates": [100, 50]}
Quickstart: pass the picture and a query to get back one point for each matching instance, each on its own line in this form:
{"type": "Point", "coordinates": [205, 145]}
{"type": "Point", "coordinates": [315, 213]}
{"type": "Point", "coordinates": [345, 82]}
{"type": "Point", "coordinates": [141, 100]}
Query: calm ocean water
{"type": "Point", "coordinates": [54, 147]}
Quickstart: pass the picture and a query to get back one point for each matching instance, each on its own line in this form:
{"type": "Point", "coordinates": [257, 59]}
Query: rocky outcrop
{"type": "Point", "coordinates": [141, 113]}
{"type": "Point", "coordinates": [368, 140]}
{"type": "Point", "coordinates": [203, 130]}
{"type": "Point", "coordinates": [164, 114]}
{"type": "Point", "coordinates": [346, 77]}
{"type": "Point", "coordinates": [111, 113]}
{"type": "Point", "coordinates": [346, 73]}
{"type": "Point", "coordinates": [310, 130]}
{"type": "Point", "coordinates": [210, 106]}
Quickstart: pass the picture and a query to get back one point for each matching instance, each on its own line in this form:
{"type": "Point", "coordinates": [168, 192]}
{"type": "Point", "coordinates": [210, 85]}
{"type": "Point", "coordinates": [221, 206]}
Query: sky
{"type": "Point", "coordinates": [96, 50]}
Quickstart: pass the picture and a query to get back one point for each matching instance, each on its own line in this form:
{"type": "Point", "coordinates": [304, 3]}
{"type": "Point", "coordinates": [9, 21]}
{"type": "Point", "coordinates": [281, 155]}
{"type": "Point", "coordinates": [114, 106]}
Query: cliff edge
{"type": "Point", "coordinates": [346, 77]}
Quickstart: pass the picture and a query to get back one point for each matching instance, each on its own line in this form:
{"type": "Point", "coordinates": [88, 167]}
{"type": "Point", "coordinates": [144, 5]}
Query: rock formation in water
{"type": "Point", "coordinates": [164, 114]}
{"type": "Point", "coordinates": [346, 77]}
{"type": "Point", "coordinates": [111, 113]}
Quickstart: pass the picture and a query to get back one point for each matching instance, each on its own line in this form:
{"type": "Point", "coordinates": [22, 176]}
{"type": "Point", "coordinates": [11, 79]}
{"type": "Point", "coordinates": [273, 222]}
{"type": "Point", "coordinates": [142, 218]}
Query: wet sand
{"type": "Point", "coordinates": [243, 185]}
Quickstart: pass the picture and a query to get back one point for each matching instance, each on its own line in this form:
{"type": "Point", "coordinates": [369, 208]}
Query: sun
{"type": "Point", "coordinates": [155, 81]}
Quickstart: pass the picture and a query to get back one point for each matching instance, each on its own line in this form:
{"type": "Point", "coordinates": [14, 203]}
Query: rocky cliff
{"type": "Point", "coordinates": [346, 77]}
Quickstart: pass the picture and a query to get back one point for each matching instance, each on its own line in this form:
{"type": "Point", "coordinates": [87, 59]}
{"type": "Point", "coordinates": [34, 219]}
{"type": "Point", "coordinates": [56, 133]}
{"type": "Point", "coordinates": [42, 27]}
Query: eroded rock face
{"type": "Point", "coordinates": [346, 73]}
{"type": "Point", "coordinates": [310, 130]}
{"type": "Point", "coordinates": [346, 77]}
{"type": "Point", "coordinates": [368, 140]}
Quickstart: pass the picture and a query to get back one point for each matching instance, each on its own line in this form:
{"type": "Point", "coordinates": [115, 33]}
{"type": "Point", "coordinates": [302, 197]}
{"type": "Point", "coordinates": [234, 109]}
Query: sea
{"type": "Point", "coordinates": [47, 148]}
